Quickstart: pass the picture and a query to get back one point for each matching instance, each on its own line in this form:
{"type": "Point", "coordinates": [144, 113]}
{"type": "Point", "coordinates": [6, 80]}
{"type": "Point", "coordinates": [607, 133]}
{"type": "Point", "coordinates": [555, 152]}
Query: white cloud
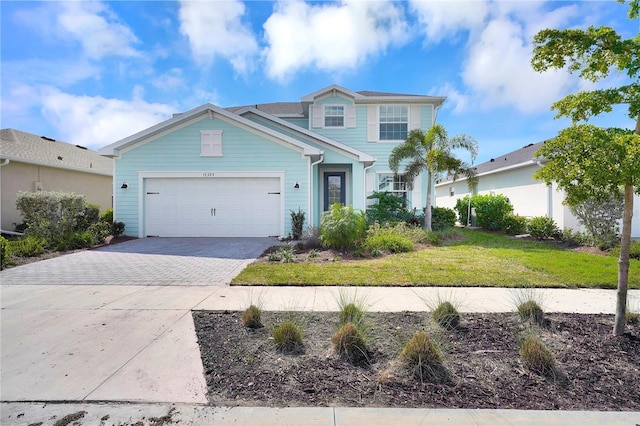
{"type": "Point", "coordinates": [442, 19]}
{"type": "Point", "coordinates": [171, 80]}
{"type": "Point", "coordinates": [215, 28]}
{"type": "Point", "coordinates": [94, 26]}
{"type": "Point", "coordinates": [94, 121]}
{"type": "Point", "coordinates": [57, 72]}
{"type": "Point", "coordinates": [331, 37]}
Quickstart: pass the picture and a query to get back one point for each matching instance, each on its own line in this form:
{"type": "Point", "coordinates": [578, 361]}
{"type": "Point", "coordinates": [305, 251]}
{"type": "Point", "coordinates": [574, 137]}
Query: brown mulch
{"type": "Point", "coordinates": [482, 367]}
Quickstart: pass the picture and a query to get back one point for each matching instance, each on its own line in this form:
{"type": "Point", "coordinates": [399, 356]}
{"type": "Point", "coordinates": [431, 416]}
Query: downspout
{"type": "Point", "coordinates": [310, 190]}
{"type": "Point", "coordinates": [364, 180]}
{"type": "Point", "coordinates": [549, 193]}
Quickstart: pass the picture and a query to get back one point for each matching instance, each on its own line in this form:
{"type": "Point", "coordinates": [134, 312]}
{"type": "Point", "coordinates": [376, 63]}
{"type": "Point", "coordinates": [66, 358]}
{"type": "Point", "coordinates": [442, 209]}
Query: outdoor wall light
{"type": "Point", "coordinates": [297, 185]}
{"type": "Point", "coordinates": [124, 185]}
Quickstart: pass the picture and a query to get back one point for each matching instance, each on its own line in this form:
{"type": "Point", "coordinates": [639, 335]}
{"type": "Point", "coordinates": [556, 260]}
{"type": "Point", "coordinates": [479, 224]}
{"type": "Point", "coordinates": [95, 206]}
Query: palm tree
{"type": "Point", "coordinates": [432, 151]}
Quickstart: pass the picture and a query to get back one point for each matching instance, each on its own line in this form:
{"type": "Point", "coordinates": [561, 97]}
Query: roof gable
{"type": "Point", "coordinates": [24, 147]}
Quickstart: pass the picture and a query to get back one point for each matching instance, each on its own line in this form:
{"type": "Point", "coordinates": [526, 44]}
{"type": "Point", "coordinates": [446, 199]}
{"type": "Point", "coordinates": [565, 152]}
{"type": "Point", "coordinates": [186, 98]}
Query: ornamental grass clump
{"type": "Point", "coordinates": [350, 343]}
{"type": "Point", "coordinates": [531, 311]}
{"type": "Point", "coordinates": [251, 317]}
{"type": "Point", "coordinates": [446, 315]}
{"type": "Point", "coordinates": [421, 355]}
{"type": "Point", "coordinates": [351, 313]}
{"type": "Point", "coordinates": [288, 337]}
{"type": "Point", "coordinates": [536, 356]}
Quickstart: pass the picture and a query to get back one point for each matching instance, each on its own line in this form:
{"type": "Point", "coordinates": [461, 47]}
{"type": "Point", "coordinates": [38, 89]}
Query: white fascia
{"type": "Point", "coordinates": [491, 172]}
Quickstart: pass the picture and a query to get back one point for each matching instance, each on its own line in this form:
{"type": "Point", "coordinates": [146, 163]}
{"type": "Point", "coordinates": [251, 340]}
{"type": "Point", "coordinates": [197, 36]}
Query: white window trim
{"type": "Point", "coordinates": [324, 116]}
{"type": "Point", "coordinates": [405, 191]}
{"type": "Point", "coordinates": [408, 122]}
{"type": "Point", "coordinates": [211, 143]}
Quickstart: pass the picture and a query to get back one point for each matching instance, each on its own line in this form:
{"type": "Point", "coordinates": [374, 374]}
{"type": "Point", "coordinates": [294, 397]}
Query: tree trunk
{"type": "Point", "coordinates": [427, 210]}
{"type": "Point", "coordinates": [623, 263]}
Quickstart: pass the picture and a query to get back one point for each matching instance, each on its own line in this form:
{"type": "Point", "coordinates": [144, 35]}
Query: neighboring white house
{"type": "Point", "coordinates": [512, 175]}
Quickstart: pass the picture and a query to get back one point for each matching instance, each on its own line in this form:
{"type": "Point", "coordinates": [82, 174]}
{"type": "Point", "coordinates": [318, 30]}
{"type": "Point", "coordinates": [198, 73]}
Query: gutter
{"type": "Point", "coordinates": [364, 179]}
{"type": "Point", "coordinates": [531, 162]}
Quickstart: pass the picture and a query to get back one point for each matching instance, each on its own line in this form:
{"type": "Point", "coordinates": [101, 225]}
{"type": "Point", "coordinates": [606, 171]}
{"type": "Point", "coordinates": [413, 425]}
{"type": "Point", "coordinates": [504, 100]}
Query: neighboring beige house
{"type": "Point", "coordinates": [36, 163]}
{"type": "Point", "coordinates": [512, 175]}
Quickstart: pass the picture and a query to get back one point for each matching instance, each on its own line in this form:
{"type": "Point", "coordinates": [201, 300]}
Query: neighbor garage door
{"type": "Point", "coordinates": [214, 207]}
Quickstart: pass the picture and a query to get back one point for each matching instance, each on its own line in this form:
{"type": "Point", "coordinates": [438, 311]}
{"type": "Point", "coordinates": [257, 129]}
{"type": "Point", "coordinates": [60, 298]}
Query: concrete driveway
{"type": "Point", "coordinates": [114, 324]}
{"type": "Point", "coordinates": [146, 261]}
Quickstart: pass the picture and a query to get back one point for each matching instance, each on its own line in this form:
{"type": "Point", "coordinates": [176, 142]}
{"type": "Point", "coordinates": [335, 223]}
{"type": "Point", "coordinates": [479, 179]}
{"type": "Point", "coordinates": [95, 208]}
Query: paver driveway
{"type": "Point", "coordinates": [147, 261]}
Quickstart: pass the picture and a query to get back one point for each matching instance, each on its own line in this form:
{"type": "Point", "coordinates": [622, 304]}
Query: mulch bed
{"type": "Point", "coordinates": [482, 366]}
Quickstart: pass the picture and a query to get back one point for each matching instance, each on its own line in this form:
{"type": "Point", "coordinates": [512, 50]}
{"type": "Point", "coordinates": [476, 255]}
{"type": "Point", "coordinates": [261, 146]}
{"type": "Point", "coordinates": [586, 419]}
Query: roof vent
{"type": "Point", "coordinates": [492, 160]}
{"type": "Point", "coordinates": [505, 158]}
{"type": "Point", "coordinates": [80, 146]}
{"type": "Point", "coordinates": [59, 158]}
{"type": "Point", "coordinates": [527, 146]}
{"type": "Point", "coordinates": [48, 139]}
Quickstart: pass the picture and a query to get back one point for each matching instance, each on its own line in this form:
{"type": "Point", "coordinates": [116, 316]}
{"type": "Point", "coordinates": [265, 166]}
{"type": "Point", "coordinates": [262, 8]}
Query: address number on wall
{"type": "Point", "coordinates": [208, 174]}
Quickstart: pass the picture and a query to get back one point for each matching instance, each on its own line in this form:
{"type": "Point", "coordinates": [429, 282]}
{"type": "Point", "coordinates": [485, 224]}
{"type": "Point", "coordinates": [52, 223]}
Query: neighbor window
{"type": "Point", "coordinates": [211, 143]}
{"type": "Point", "coordinates": [394, 122]}
{"type": "Point", "coordinates": [334, 116]}
{"type": "Point", "coordinates": [452, 191]}
{"type": "Point", "coordinates": [395, 184]}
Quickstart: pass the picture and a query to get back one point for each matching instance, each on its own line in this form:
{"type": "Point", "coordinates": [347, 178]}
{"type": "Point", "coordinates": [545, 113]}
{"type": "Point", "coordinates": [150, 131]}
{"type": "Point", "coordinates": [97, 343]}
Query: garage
{"type": "Point", "coordinates": [213, 207]}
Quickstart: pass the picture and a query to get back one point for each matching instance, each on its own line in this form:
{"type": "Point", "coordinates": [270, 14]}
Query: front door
{"type": "Point", "coordinates": [334, 189]}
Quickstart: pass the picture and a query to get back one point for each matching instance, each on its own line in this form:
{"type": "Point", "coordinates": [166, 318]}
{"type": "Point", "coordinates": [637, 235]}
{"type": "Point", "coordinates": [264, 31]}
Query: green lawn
{"type": "Point", "coordinates": [481, 259]}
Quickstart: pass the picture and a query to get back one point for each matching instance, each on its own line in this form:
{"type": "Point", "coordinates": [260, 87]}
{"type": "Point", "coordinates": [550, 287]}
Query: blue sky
{"type": "Point", "coordinates": [91, 73]}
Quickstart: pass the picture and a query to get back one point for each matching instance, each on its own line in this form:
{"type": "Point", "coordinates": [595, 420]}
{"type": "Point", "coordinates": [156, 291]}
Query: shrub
{"type": "Point", "coordinates": [536, 356]}
{"type": "Point", "coordinates": [100, 231]}
{"type": "Point", "coordinates": [283, 254]}
{"type": "Point", "coordinates": [600, 218]}
{"type": "Point", "coordinates": [351, 313]}
{"type": "Point", "coordinates": [3, 251]}
{"type": "Point", "coordinates": [297, 224]}
{"type": "Point", "coordinates": [251, 317]}
{"type": "Point", "coordinates": [107, 216]}
{"type": "Point", "coordinates": [117, 229]}
{"type": "Point", "coordinates": [420, 355]}
{"type": "Point", "coordinates": [349, 342]}
{"type": "Point", "coordinates": [514, 224]}
{"type": "Point", "coordinates": [543, 228]}
{"type": "Point", "coordinates": [531, 311]}
{"type": "Point", "coordinates": [442, 218]}
{"type": "Point", "coordinates": [73, 240]}
{"type": "Point", "coordinates": [446, 315]}
{"type": "Point", "coordinates": [389, 208]}
{"type": "Point", "coordinates": [391, 243]}
{"type": "Point", "coordinates": [28, 246]}
{"type": "Point", "coordinates": [90, 215]}
{"type": "Point", "coordinates": [632, 318]}
{"type": "Point", "coordinates": [490, 210]}
{"type": "Point", "coordinates": [288, 337]}
{"type": "Point", "coordinates": [634, 250]}
{"type": "Point", "coordinates": [342, 227]}
{"type": "Point", "coordinates": [575, 238]}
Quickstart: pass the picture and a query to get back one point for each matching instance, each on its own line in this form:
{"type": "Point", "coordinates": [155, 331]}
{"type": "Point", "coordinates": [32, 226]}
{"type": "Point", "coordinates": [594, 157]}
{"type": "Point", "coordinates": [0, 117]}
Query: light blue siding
{"type": "Point", "coordinates": [179, 151]}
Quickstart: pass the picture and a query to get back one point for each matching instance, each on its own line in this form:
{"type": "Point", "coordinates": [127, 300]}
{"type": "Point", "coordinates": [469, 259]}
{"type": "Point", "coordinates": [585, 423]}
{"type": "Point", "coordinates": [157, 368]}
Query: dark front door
{"type": "Point", "coordinates": [334, 189]}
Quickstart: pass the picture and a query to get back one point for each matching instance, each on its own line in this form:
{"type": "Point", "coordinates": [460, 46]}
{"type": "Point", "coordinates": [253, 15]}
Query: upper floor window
{"type": "Point", "coordinates": [394, 122]}
{"type": "Point", "coordinates": [334, 116]}
{"type": "Point", "coordinates": [394, 183]}
{"type": "Point", "coordinates": [211, 143]}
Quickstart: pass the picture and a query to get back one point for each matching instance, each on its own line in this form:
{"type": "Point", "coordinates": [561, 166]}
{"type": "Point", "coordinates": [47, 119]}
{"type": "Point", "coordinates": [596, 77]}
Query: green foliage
{"type": "Point", "coordinates": [3, 251]}
{"type": "Point", "coordinates": [90, 215]}
{"type": "Point", "coordinates": [531, 311]}
{"type": "Point", "coordinates": [433, 152]}
{"type": "Point", "coordinates": [72, 240]}
{"type": "Point", "coordinates": [536, 356]}
{"type": "Point", "coordinates": [575, 238]}
{"type": "Point", "coordinates": [107, 216]}
{"type": "Point", "coordinates": [297, 223]}
{"type": "Point", "coordinates": [251, 317]}
{"type": "Point", "coordinates": [287, 337]}
{"type": "Point", "coordinates": [351, 313]}
{"type": "Point", "coordinates": [514, 224]}
{"type": "Point", "coordinates": [390, 239]}
{"type": "Point", "coordinates": [421, 355]}
{"type": "Point", "coordinates": [601, 217]}
{"type": "Point", "coordinates": [389, 208]}
{"type": "Point", "coordinates": [543, 228]}
{"type": "Point", "coordinates": [350, 343]}
{"type": "Point", "coordinates": [491, 210]}
{"type": "Point", "coordinates": [442, 218]}
{"type": "Point", "coordinates": [283, 254]}
{"type": "Point", "coordinates": [342, 227]}
{"type": "Point", "coordinates": [117, 229]}
{"type": "Point", "coordinates": [634, 250]}
{"type": "Point", "coordinates": [446, 315]}
{"type": "Point", "coordinates": [462, 207]}
{"type": "Point", "coordinates": [99, 231]}
{"type": "Point", "coordinates": [27, 246]}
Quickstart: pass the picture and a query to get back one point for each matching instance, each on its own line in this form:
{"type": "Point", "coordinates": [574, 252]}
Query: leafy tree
{"type": "Point", "coordinates": [433, 152]}
{"type": "Point", "coordinates": [585, 161]}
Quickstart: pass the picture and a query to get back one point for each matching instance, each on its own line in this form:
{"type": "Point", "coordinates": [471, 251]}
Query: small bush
{"type": "Point", "coordinates": [575, 238]}
{"type": "Point", "coordinates": [514, 224]}
{"type": "Point", "coordinates": [117, 229]}
{"type": "Point", "coordinates": [349, 342]}
{"type": "Point", "coordinates": [311, 238]}
{"type": "Point", "coordinates": [531, 311]}
{"type": "Point", "coordinates": [389, 208]}
{"type": "Point", "coordinates": [3, 251]}
{"type": "Point", "coordinates": [388, 243]}
{"type": "Point", "coordinates": [312, 254]}
{"type": "Point", "coordinates": [634, 251]}
{"type": "Point", "coordinates": [288, 337]}
{"type": "Point", "coordinates": [446, 315]}
{"type": "Point", "coordinates": [283, 254]}
{"type": "Point", "coordinates": [100, 231]}
{"type": "Point", "coordinates": [420, 355]}
{"type": "Point", "coordinates": [600, 218]}
{"type": "Point", "coordinates": [442, 218]}
{"type": "Point", "coordinates": [543, 228]}
{"type": "Point", "coordinates": [490, 210]}
{"type": "Point", "coordinates": [536, 356]}
{"type": "Point", "coordinates": [632, 318]}
{"type": "Point", "coordinates": [107, 216]}
{"type": "Point", "coordinates": [73, 240]}
{"type": "Point", "coordinates": [342, 227]}
{"type": "Point", "coordinates": [297, 223]}
{"type": "Point", "coordinates": [27, 246]}
{"type": "Point", "coordinates": [251, 317]}
{"type": "Point", "coordinates": [351, 313]}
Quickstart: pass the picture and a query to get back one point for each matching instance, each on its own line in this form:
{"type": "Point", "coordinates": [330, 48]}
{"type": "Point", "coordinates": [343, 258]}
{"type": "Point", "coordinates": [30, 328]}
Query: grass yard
{"type": "Point", "coordinates": [480, 259]}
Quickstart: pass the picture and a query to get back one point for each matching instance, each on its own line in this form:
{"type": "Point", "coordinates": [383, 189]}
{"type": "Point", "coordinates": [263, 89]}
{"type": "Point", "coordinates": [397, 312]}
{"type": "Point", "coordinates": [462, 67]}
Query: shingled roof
{"type": "Point", "coordinates": [513, 158]}
{"type": "Point", "coordinates": [32, 149]}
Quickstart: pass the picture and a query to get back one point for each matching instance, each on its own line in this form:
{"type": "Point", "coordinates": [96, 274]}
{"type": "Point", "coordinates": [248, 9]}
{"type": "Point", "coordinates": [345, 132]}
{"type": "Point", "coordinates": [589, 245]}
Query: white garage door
{"type": "Point", "coordinates": [214, 207]}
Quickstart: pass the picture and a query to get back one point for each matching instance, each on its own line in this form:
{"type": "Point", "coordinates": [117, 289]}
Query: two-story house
{"type": "Point", "coordinates": [240, 171]}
